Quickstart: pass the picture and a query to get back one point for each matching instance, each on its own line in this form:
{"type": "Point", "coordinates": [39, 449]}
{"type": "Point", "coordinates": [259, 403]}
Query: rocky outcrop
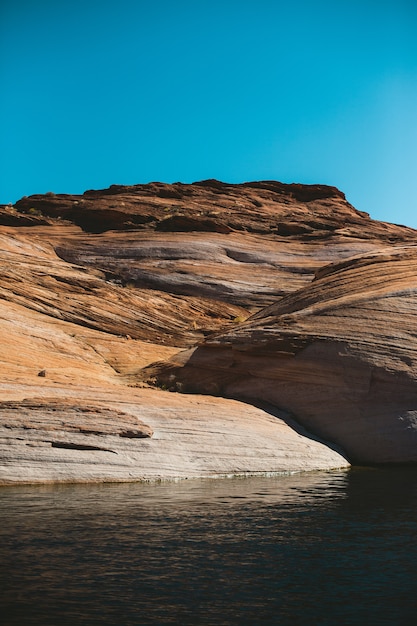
{"type": "Point", "coordinates": [266, 207]}
{"type": "Point", "coordinates": [52, 440]}
{"type": "Point", "coordinates": [339, 354]}
{"type": "Point", "coordinates": [9, 216]}
{"type": "Point", "coordinates": [96, 287]}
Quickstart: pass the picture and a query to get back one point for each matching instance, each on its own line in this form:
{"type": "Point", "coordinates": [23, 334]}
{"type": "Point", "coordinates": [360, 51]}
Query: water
{"type": "Point", "coordinates": [316, 549]}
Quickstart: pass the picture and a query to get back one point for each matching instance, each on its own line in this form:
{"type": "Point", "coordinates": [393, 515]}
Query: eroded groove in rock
{"type": "Point", "coordinates": [67, 445]}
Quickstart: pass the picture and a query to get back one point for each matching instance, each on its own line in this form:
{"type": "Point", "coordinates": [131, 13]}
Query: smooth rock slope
{"type": "Point", "coordinates": [339, 354]}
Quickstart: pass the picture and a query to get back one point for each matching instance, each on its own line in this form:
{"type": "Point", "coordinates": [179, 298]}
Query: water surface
{"type": "Point", "coordinates": [314, 549]}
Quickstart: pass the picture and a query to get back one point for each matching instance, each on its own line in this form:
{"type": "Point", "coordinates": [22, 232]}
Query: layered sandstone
{"type": "Point", "coordinates": [339, 354]}
{"type": "Point", "coordinates": [149, 435]}
{"type": "Point", "coordinates": [94, 288]}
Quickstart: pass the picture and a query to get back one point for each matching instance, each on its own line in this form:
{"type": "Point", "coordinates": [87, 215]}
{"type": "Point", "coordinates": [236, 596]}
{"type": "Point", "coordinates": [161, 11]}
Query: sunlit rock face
{"type": "Point", "coordinates": [96, 287]}
{"type": "Point", "coordinates": [61, 440]}
{"type": "Point", "coordinates": [243, 245]}
{"type": "Point", "coordinates": [339, 354]}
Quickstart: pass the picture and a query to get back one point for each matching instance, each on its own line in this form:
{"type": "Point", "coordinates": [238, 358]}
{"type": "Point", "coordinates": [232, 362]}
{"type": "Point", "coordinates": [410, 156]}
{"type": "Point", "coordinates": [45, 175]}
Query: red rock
{"type": "Point", "coordinates": [339, 354]}
{"type": "Point", "coordinates": [95, 287]}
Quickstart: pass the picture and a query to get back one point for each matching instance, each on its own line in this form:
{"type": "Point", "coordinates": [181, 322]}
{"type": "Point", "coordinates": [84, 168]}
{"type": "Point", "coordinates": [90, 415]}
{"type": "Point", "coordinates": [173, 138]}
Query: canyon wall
{"type": "Point", "coordinates": [117, 303]}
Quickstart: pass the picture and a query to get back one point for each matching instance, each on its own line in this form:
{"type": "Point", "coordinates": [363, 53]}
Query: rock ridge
{"type": "Point", "coordinates": [263, 207]}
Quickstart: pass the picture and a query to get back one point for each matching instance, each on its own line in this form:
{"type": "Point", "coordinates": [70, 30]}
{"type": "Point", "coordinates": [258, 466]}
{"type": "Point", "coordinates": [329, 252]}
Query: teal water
{"type": "Point", "coordinates": [313, 549]}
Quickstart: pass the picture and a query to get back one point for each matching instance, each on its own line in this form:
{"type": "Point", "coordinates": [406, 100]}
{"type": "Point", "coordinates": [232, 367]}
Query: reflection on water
{"type": "Point", "coordinates": [315, 549]}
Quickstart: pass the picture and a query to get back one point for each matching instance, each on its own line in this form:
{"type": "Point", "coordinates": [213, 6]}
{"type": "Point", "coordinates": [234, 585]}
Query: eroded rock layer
{"type": "Point", "coordinates": [340, 354]}
{"type": "Point", "coordinates": [96, 287]}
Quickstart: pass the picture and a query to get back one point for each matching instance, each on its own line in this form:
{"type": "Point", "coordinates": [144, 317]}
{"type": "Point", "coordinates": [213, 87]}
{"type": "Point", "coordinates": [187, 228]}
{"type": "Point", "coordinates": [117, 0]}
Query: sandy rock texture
{"type": "Point", "coordinates": [340, 354]}
{"type": "Point", "coordinates": [156, 435]}
{"type": "Point", "coordinates": [97, 288]}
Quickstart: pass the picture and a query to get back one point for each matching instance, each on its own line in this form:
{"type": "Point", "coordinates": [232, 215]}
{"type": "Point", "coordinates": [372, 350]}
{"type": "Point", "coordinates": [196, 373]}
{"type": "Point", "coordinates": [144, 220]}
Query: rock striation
{"type": "Point", "coordinates": [63, 440]}
{"type": "Point", "coordinates": [283, 297]}
{"type": "Point", "coordinates": [340, 354]}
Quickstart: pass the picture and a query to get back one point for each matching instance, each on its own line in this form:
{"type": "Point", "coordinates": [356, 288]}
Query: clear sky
{"type": "Point", "coordinates": [101, 92]}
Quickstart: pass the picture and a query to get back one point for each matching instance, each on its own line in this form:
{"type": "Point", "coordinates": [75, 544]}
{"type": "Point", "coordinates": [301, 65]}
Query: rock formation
{"type": "Point", "coordinates": [340, 354]}
{"type": "Point", "coordinates": [299, 305]}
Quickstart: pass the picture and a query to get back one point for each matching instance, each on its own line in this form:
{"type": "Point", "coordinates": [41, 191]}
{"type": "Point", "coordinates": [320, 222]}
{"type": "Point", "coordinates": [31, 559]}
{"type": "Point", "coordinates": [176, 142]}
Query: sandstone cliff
{"type": "Point", "coordinates": [95, 288]}
{"type": "Point", "coordinates": [340, 354]}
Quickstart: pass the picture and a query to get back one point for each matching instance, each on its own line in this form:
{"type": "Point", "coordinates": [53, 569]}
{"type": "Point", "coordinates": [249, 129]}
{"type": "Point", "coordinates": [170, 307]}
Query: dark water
{"type": "Point", "coordinates": [318, 549]}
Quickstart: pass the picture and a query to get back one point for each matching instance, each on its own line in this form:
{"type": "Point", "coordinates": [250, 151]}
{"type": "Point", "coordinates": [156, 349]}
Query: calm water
{"type": "Point", "coordinates": [318, 549]}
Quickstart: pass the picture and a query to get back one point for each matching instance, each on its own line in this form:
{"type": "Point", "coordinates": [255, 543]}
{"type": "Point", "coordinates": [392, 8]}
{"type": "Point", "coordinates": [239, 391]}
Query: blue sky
{"type": "Point", "coordinates": [98, 92]}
